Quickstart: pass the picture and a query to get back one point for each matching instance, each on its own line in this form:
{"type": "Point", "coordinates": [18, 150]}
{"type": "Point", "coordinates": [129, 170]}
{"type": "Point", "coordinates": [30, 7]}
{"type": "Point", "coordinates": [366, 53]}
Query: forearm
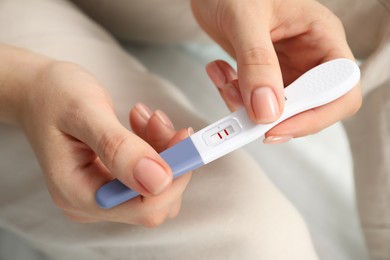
{"type": "Point", "coordinates": [19, 69]}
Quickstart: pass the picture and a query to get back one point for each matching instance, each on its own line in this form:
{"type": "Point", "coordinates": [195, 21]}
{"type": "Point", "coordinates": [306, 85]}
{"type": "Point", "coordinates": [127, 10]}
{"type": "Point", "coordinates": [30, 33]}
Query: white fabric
{"type": "Point", "coordinates": [315, 176]}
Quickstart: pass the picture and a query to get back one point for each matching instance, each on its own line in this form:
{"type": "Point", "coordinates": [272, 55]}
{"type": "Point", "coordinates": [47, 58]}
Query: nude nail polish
{"type": "Point", "coordinates": [265, 105]}
{"type": "Point", "coordinates": [164, 118]}
{"type": "Point", "coordinates": [151, 175]}
{"type": "Point", "coordinates": [143, 111]}
{"type": "Point", "coordinates": [277, 139]}
{"type": "Point", "coordinates": [219, 78]}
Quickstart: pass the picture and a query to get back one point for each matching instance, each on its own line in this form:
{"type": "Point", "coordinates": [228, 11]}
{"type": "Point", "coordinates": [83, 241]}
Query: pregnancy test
{"type": "Point", "coordinates": [320, 85]}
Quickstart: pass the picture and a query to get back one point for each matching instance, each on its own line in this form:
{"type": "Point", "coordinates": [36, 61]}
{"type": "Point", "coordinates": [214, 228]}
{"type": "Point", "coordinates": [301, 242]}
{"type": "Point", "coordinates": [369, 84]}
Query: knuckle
{"type": "Point", "coordinates": [72, 218]}
{"type": "Point", "coordinates": [65, 196]}
{"type": "Point", "coordinates": [61, 203]}
{"type": "Point", "coordinates": [356, 105]}
{"type": "Point", "coordinates": [78, 219]}
{"type": "Point", "coordinates": [108, 146]}
{"type": "Point", "coordinates": [353, 101]}
{"type": "Point", "coordinates": [72, 199]}
{"type": "Point", "coordinates": [174, 212]}
{"type": "Point", "coordinates": [337, 21]}
{"type": "Point", "coordinates": [153, 220]}
{"type": "Point", "coordinates": [328, 16]}
{"type": "Point", "coordinates": [258, 56]}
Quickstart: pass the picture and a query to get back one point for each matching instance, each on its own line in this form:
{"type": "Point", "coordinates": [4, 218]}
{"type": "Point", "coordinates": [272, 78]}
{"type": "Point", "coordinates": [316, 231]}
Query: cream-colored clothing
{"type": "Point", "coordinates": [230, 209]}
{"type": "Point", "coordinates": [367, 24]}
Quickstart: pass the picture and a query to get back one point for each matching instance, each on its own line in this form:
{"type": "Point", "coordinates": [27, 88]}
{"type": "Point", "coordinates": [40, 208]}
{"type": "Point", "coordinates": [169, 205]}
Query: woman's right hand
{"type": "Point", "coordinates": [80, 144]}
{"type": "Point", "coordinates": [274, 43]}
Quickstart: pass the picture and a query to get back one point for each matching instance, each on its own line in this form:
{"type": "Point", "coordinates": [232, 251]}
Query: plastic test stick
{"type": "Point", "coordinates": [320, 85]}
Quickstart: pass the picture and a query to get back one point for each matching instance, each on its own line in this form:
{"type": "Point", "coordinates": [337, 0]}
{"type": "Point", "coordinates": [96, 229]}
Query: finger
{"type": "Point", "coordinates": [314, 120]}
{"type": "Point", "coordinates": [73, 172]}
{"type": "Point", "coordinates": [159, 131]}
{"type": "Point", "coordinates": [220, 72]}
{"type": "Point", "coordinates": [225, 79]}
{"type": "Point", "coordinates": [231, 94]}
{"type": "Point", "coordinates": [167, 204]}
{"type": "Point", "coordinates": [138, 118]}
{"type": "Point", "coordinates": [172, 197]}
{"type": "Point", "coordinates": [129, 158]}
{"type": "Point", "coordinates": [180, 136]}
{"type": "Point", "coordinates": [259, 74]}
{"type": "Point", "coordinates": [150, 211]}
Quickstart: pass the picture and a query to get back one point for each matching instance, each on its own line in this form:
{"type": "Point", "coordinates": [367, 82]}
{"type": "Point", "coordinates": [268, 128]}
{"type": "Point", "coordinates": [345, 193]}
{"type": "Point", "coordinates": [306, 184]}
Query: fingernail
{"type": "Point", "coordinates": [190, 131]}
{"type": "Point", "coordinates": [218, 78]}
{"type": "Point", "coordinates": [277, 139]}
{"type": "Point", "coordinates": [164, 118]}
{"type": "Point", "coordinates": [143, 110]}
{"type": "Point", "coordinates": [151, 175]}
{"type": "Point", "coordinates": [265, 105]}
{"type": "Point", "coordinates": [233, 94]}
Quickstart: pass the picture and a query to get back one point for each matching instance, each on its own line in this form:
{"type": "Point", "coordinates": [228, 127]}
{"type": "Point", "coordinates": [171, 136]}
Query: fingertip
{"type": "Point", "coordinates": [260, 78]}
{"type": "Point", "coordinates": [262, 92]}
{"type": "Point", "coordinates": [264, 105]}
{"type": "Point", "coordinates": [181, 135]}
{"type": "Point", "coordinates": [143, 111]}
{"type": "Point", "coordinates": [220, 72]}
{"type": "Point", "coordinates": [277, 139]}
{"type": "Point", "coordinates": [139, 116]}
{"type": "Point", "coordinates": [164, 119]}
{"type": "Point", "coordinates": [159, 130]}
{"type": "Point", "coordinates": [152, 175]}
{"type": "Point", "coordinates": [232, 95]}
{"type": "Point", "coordinates": [190, 131]}
{"type": "Point", "coordinates": [216, 74]}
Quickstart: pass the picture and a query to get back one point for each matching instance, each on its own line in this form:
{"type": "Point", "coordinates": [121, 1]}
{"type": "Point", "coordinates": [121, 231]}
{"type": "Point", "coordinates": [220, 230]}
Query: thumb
{"type": "Point", "coordinates": [129, 158]}
{"type": "Point", "coordinates": [259, 73]}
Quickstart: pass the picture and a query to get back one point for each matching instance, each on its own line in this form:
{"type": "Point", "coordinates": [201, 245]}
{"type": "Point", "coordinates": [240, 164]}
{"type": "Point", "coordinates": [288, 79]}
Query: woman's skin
{"type": "Point", "coordinates": [69, 119]}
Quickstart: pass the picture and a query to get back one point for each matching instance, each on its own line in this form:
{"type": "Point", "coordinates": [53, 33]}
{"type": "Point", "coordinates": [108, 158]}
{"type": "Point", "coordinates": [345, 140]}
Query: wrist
{"type": "Point", "coordinates": [19, 73]}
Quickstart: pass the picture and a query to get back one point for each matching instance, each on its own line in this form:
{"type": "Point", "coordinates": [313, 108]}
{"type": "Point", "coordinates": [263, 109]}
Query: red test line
{"type": "Point", "coordinates": [220, 136]}
{"type": "Point", "coordinates": [226, 132]}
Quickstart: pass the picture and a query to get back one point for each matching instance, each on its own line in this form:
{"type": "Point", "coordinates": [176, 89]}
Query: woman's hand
{"type": "Point", "coordinates": [274, 42]}
{"type": "Point", "coordinates": [80, 145]}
